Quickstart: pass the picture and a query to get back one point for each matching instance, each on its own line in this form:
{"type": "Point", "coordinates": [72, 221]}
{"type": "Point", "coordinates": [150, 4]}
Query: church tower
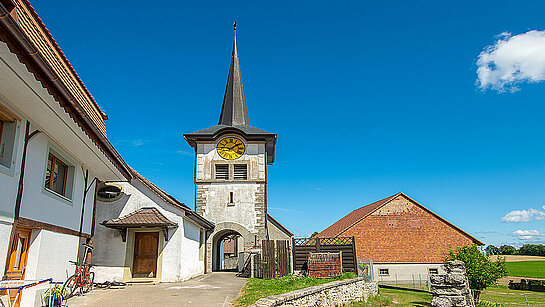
{"type": "Point", "coordinates": [231, 173]}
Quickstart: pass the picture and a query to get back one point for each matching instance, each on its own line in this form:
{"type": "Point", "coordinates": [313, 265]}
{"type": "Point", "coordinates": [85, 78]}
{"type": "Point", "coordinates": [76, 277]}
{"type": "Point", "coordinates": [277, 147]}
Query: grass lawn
{"type": "Point", "coordinates": [526, 268]}
{"type": "Point", "coordinates": [393, 297]}
{"type": "Point", "coordinates": [256, 288]}
{"type": "Point", "coordinates": [508, 297]}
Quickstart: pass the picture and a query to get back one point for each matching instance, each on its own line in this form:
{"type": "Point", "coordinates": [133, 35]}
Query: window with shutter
{"type": "Point", "coordinates": [9, 125]}
{"type": "Point", "coordinates": [241, 172]}
{"type": "Point", "coordinates": [222, 171]}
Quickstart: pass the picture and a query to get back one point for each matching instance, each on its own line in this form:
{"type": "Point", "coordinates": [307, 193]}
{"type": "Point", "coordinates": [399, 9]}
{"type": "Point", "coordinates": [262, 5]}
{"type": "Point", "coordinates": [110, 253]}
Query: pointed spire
{"type": "Point", "coordinates": [234, 111]}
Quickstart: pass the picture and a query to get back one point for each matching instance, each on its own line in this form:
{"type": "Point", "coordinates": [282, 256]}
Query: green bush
{"type": "Point", "coordinates": [481, 272]}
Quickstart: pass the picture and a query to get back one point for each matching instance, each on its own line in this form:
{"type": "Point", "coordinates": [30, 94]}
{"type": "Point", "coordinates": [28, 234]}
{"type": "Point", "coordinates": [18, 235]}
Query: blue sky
{"type": "Point", "coordinates": [368, 98]}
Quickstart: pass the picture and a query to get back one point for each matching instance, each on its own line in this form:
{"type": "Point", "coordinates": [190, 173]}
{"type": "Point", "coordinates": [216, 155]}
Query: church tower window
{"type": "Point", "coordinates": [241, 172]}
{"type": "Point", "coordinates": [222, 171]}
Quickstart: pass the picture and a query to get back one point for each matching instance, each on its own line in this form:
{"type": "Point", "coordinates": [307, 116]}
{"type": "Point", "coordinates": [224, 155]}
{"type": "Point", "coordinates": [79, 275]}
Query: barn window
{"type": "Point", "coordinates": [222, 171]}
{"type": "Point", "coordinates": [433, 271]}
{"type": "Point", "coordinates": [241, 172]}
{"type": "Point", "coordinates": [384, 272]}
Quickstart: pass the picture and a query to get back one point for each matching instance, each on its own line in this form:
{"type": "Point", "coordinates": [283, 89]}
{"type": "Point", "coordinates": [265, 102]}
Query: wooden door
{"type": "Point", "coordinates": [17, 259]}
{"type": "Point", "coordinates": [145, 254]}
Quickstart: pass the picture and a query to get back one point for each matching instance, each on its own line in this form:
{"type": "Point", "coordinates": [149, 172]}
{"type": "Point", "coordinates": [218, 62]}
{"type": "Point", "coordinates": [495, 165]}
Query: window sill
{"type": "Point", "coordinates": [58, 196]}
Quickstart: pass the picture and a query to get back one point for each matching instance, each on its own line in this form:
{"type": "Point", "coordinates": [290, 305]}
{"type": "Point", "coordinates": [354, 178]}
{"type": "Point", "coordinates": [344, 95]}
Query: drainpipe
{"type": "Point", "coordinates": [85, 191]}
{"type": "Point", "coordinates": [17, 209]}
{"type": "Point", "coordinates": [22, 172]}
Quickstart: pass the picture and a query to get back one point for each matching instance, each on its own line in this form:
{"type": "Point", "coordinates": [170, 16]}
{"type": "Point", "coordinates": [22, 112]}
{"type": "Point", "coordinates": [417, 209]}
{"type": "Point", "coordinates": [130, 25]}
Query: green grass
{"type": "Point", "coordinates": [508, 297]}
{"type": "Point", "coordinates": [526, 268]}
{"type": "Point", "coordinates": [393, 297]}
{"type": "Point", "coordinates": [255, 288]}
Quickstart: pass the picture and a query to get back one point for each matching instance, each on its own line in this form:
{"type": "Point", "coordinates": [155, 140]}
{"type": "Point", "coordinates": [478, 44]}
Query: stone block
{"type": "Point", "coordinates": [455, 278]}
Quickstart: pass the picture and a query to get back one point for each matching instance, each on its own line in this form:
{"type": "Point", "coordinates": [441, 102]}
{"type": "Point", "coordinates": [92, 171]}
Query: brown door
{"type": "Point", "coordinates": [17, 258]}
{"type": "Point", "coordinates": [145, 254]}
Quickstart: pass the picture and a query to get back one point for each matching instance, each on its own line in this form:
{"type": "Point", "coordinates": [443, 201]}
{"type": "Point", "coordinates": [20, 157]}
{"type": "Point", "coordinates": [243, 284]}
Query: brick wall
{"type": "Point", "coordinates": [403, 231]}
{"type": "Point", "coordinates": [324, 265]}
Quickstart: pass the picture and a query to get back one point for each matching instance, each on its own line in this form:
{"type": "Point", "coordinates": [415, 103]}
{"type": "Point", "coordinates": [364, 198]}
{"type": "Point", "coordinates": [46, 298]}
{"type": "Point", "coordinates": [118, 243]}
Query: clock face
{"type": "Point", "coordinates": [230, 148]}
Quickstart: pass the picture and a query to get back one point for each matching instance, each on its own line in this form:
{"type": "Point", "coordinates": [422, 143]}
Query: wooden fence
{"type": "Point", "coordinates": [275, 262]}
{"type": "Point", "coordinates": [302, 247]}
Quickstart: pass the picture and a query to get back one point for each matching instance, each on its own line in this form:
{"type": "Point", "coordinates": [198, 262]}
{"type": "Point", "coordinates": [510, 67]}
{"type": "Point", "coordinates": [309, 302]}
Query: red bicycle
{"type": "Point", "coordinates": [82, 279]}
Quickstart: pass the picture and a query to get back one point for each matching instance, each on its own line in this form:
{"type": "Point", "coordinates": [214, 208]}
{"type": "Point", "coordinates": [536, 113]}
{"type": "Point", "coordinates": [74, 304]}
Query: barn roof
{"type": "Point", "coordinates": [359, 214]}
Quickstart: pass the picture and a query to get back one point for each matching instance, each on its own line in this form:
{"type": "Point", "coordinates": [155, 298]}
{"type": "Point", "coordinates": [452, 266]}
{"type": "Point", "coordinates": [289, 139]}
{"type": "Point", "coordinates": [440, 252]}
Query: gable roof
{"type": "Point", "coordinates": [352, 218]}
{"type": "Point", "coordinates": [173, 201]}
{"type": "Point", "coordinates": [27, 37]}
{"type": "Point", "coordinates": [359, 214]}
{"type": "Point", "coordinates": [280, 226]}
{"type": "Point", "coordinates": [150, 217]}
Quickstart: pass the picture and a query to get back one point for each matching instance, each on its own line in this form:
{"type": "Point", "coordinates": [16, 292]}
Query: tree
{"type": "Point", "coordinates": [481, 272]}
{"type": "Point", "coordinates": [492, 250]}
{"type": "Point", "coordinates": [507, 250]}
{"type": "Point", "coordinates": [532, 250]}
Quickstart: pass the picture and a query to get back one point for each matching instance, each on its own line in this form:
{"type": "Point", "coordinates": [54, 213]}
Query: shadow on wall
{"type": "Point", "coordinates": [191, 232]}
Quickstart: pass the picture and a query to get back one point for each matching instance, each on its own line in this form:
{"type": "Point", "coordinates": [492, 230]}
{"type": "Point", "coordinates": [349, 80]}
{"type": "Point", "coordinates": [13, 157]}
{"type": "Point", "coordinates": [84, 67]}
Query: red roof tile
{"type": "Point", "coordinates": [352, 218]}
{"type": "Point", "coordinates": [141, 217]}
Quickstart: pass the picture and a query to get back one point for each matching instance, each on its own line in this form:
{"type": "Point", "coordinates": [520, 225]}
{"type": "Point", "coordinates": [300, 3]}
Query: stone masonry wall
{"type": "Point", "coordinates": [330, 294]}
{"type": "Point", "coordinates": [451, 289]}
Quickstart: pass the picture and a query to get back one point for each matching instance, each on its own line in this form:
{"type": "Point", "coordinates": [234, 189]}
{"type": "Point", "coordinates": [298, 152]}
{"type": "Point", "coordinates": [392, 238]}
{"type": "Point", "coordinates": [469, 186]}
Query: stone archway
{"type": "Point", "coordinates": [222, 231]}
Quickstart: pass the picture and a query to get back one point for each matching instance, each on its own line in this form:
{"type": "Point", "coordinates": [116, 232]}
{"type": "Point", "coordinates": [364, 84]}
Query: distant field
{"type": "Point", "coordinates": [526, 268]}
{"type": "Point", "coordinates": [517, 258]}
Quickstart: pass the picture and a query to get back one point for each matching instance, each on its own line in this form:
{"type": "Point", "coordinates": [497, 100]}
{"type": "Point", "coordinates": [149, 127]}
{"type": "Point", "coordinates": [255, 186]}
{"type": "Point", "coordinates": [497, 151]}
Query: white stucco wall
{"type": "Point", "coordinates": [42, 205]}
{"type": "Point", "coordinates": [5, 231]}
{"type": "Point", "coordinates": [48, 257]}
{"type": "Point", "coordinates": [406, 272]}
{"type": "Point", "coordinates": [243, 210]}
{"type": "Point", "coordinates": [180, 254]}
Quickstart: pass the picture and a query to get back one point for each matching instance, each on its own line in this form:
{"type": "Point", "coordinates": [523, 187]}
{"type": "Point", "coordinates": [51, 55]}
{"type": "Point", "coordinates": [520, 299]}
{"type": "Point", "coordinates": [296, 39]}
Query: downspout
{"type": "Point", "coordinates": [85, 191]}
{"type": "Point", "coordinates": [17, 209]}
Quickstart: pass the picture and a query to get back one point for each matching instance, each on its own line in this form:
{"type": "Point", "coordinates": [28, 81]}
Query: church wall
{"type": "Point", "coordinates": [179, 256]}
{"type": "Point", "coordinates": [276, 233]}
{"type": "Point", "coordinates": [212, 196]}
{"type": "Point", "coordinates": [214, 204]}
{"type": "Point", "coordinates": [254, 156]}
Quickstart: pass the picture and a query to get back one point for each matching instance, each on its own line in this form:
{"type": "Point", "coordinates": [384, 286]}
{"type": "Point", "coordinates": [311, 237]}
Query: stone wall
{"type": "Point", "coordinates": [330, 294]}
{"type": "Point", "coordinates": [451, 289]}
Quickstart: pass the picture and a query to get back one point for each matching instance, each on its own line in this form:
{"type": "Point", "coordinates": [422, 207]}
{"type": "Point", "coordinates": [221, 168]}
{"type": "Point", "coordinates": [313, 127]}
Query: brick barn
{"type": "Point", "coordinates": [405, 240]}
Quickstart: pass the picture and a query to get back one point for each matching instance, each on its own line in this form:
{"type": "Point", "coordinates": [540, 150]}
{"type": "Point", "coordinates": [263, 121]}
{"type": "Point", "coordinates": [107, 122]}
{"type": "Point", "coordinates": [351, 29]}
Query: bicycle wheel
{"type": "Point", "coordinates": [87, 284]}
{"type": "Point", "coordinates": [70, 286]}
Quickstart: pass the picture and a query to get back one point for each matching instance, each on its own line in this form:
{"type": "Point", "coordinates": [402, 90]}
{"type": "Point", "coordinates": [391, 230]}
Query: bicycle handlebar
{"type": "Point", "coordinates": [80, 264]}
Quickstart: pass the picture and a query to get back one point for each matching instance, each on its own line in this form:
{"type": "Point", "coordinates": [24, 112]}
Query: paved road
{"type": "Point", "coordinates": [215, 289]}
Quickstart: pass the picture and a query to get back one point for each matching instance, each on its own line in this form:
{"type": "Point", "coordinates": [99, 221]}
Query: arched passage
{"type": "Point", "coordinates": [227, 230]}
{"type": "Point", "coordinates": [227, 244]}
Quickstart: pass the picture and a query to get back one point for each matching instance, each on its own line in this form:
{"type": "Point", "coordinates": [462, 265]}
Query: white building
{"type": "Point", "coordinates": [144, 234]}
{"type": "Point", "coordinates": [53, 150]}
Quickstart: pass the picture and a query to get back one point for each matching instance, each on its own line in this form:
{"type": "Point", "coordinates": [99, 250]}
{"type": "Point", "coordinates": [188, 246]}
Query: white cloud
{"type": "Point", "coordinates": [527, 234]}
{"type": "Point", "coordinates": [512, 60]}
{"type": "Point", "coordinates": [517, 216]}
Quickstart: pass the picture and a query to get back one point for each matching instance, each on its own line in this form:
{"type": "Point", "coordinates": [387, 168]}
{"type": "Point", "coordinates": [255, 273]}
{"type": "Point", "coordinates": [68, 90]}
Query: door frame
{"type": "Point", "coordinates": [129, 256]}
{"type": "Point", "coordinates": [13, 245]}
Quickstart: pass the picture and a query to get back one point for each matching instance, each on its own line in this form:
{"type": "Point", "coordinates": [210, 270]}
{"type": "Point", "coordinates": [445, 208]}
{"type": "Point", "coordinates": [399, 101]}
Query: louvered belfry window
{"type": "Point", "coordinates": [222, 171]}
{"type": "Point", "coordinates": [241, 172]}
